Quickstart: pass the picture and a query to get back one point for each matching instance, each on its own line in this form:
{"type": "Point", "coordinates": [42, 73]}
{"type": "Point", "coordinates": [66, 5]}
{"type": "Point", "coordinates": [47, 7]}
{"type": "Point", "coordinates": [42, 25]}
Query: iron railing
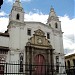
{"type": "Point", "coordinates": [29, 69]}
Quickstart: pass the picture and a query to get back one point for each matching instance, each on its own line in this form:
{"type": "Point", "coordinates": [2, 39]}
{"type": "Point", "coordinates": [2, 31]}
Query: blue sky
{"type": "Point", "coordinates": [40, 9]}
{"type": "Point", "coordinates": [62, 7]}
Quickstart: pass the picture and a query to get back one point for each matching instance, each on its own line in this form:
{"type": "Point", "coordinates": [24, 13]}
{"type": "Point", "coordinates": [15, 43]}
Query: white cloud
{"type": "Point", "coordinates": [3, 23]}
{"type": "Point", "coordinates": [10, 1]}
{"type": "Point", "coordinates": [2, 13]}
{"type": "Point", "coordinates": [36, 17]}
{"type": "Point", "coordinates": [68, 27]}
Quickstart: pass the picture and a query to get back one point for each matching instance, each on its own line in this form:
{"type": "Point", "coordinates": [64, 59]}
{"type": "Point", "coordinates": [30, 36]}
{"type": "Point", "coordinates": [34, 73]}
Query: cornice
{"type": "Point", "coordinates": [15, 24]}
{"type": "Point", "coordinates": [4, 34]}
{"type": "Point", "coordinates": [19, 9]}
{"type": "Point", "coordinates": [56, 32]}
{"type": "Point", "coordinates": [4, 48]}
{"type": "Point", "coordinates": [52, 18]}
{"type": "Point", "coordinates": [33, 22]}
{"type": "Point", "coordinates": [70, 56]}
{"type": "Point", "coordinates": [20, 24]}
{"type": "Point", "coordinates": [59, 54]}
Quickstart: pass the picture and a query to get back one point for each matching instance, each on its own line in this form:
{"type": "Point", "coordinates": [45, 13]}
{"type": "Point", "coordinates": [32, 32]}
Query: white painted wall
{"type": "Point", "coordinates": [4, 41]}
{"type": "Point", "coordinates": [19, 37]}
{"type": "Point", "coordinates": [14, 38]}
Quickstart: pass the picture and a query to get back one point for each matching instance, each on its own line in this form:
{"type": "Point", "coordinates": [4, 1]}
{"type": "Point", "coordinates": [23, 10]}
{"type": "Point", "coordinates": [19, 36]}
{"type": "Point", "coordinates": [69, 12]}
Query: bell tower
{"type": "Point", "coordinates": [17, 12]}
{"type": "Point", "coordinates": [53, 20]}
{"type": "Point", "coordinates": [16, 23]}
{"type": "Point", "coordinates": [54, 24]}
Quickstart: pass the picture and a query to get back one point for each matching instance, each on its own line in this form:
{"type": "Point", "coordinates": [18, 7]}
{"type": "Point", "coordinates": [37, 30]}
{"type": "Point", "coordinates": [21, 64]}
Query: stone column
{"type": "Point", "coordinates": [47, 62]}
{"type": "Point", "coordinates": [52, 63]}
{"type": "Point", "coordinates": [30, 60]}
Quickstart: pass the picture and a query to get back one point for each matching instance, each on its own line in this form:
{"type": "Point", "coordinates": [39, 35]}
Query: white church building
{"type": "Point", "coordinates": [32, 43]}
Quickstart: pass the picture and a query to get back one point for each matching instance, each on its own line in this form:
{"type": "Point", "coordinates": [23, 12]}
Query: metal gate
{"type": "Point", "coordinates": [15, 69]}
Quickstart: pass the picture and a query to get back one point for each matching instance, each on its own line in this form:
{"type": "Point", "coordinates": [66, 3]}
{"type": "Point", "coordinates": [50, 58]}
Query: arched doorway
{"type": "Point", "coordinates": [40, 68]}
{"type": "Point", "coordinates": [39, 54]}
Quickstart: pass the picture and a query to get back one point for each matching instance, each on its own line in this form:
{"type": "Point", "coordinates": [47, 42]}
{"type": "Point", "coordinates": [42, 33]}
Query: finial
{"type": "Point", "coordinates": [52, 9]}
{"type": "Point", "coordinates": [18, 0]}
{"type": "Point", "coordinates": [51, 6]}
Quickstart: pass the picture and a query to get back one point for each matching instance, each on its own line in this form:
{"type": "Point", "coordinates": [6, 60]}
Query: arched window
{"type": "Point", "coordinates": [74, 62]}
{"type": "Point", "coordinates": [65, 64]}
{"type": "Point", "coordinates": [57, 63]}
{"type": "Point", "coordinates": [68, 62]}
{"type": "Point", "coordinates": [56, 25]}
{"type": "Point", "coordinates": [50, 25]}
{"type": "Point", "coordinates": [17, 16]}
{"type": "Point", "coordinates": [48, 35]}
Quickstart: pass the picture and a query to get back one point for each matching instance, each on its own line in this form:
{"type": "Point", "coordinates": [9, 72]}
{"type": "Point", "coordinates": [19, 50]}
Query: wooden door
{"type": "Point", "coordinates": [40, 65]}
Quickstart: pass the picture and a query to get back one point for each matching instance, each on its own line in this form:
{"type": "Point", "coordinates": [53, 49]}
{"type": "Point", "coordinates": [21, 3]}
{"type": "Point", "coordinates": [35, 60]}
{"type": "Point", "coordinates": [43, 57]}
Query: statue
{"type": "Point", "coordinates": [21, 62]}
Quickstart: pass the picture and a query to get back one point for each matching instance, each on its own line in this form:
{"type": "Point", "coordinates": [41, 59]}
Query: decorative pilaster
{"type": "Point", "coordinates": [52, 63]}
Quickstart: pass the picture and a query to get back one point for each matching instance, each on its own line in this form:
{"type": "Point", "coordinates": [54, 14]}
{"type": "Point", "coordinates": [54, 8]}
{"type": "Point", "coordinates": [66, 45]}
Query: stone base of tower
{"type": "Point", "coordinates": [14, 63]}
{"type": "Point", "coordinates": [13, 56]}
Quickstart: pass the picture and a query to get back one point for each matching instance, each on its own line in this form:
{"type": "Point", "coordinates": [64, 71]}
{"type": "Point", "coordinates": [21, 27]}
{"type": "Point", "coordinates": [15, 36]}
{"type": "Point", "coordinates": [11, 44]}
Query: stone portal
{"type": "Point", "coordinates": [39, 54]}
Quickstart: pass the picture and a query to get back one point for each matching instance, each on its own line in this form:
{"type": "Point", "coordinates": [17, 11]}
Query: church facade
{"type": "Point", "coordinates": [33, 43]}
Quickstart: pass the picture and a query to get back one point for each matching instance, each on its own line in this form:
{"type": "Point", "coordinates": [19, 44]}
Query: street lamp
{"type": "Point", "coordinates": [1, 2]}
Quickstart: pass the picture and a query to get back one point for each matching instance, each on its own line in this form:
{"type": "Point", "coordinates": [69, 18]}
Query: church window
{"type": "Point", "coordinates": [17, 16]}
{"type": "Point", "coordinates": [48, 35]}
{"type": "Point", "coordinates": [74, 62]}
{"type": "Point", "coordinates": [57, 63]}
{"type": "Point", "coordinates": [29, 32]}
{"type": "Point", "coordinates": [50, 25]}
{"type": "Point", "coordinates": [56, 25]}
{"type": "Point", "coordinates": [65, 64]}
{"type": "Point", "coordinates": [68, 62]}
